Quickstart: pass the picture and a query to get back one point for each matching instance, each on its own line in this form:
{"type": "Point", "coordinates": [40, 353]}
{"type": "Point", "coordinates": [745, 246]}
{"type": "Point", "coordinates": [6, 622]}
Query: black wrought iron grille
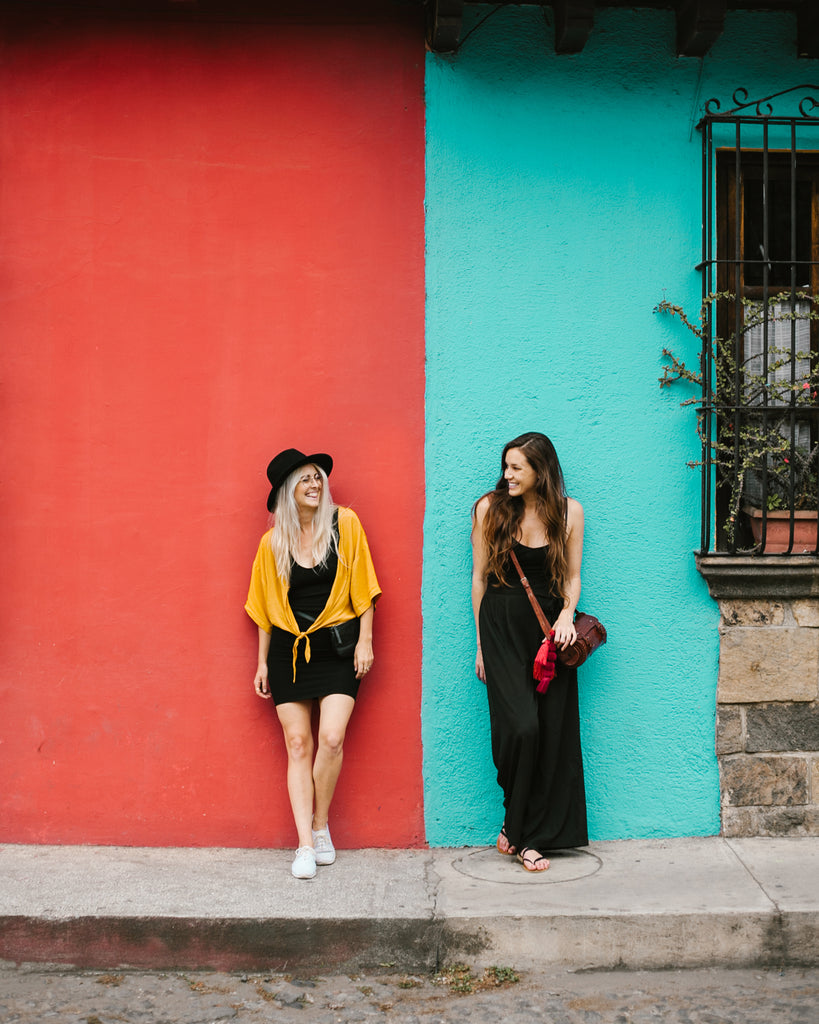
{"type": "Point", "coordinates": [759, 414]}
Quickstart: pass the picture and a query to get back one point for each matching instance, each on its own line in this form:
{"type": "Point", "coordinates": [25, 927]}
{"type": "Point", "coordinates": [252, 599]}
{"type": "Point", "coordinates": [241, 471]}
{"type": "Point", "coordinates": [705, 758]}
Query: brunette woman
{"type": "Point", "coordinates": [535, 738]}
{"type": "Point", "coordinates": [312, 578]}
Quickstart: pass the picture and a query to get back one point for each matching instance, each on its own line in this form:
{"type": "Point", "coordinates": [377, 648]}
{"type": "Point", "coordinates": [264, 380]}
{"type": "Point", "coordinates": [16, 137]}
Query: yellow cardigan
{"type": "Point", "coordinates": [354, 589]}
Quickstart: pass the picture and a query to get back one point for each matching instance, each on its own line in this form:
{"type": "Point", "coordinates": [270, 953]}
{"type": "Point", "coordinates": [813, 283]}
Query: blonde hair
{"type": "Point", "coordinates": [286, 534]}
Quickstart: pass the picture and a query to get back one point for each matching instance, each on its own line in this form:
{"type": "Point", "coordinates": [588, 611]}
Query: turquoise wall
{"type": "Point", "coordinates": [563, 202]}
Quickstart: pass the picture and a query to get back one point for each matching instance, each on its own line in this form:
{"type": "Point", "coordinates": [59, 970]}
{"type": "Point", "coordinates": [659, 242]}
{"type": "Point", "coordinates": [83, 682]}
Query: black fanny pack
{"type": "Point", "coordinates": [344, 637]}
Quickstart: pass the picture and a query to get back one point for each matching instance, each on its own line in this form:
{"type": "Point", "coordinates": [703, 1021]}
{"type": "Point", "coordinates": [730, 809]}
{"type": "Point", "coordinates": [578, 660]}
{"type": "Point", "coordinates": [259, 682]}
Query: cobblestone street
{"type": "Point", "coordinates": [30, 994]}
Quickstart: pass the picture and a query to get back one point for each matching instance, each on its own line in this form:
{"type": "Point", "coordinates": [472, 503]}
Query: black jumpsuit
{"type": "Point", "coordinates": [535, 737]}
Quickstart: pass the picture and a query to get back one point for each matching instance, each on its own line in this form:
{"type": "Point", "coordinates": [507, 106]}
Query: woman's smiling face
{"type": "Point", "coordinates": [308, 488]}
{"type": "Point", "coordinates": [518, 473]}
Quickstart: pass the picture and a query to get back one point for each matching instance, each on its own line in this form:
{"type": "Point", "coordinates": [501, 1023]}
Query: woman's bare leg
{"type": "Point", "coordinates": [334, 714]}
{"type": "Point", "coordinates": [295, 720]}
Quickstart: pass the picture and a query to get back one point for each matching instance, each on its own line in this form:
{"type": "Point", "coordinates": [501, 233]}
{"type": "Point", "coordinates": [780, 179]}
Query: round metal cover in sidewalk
{"type": "Point", "coordinates": [488, 865]}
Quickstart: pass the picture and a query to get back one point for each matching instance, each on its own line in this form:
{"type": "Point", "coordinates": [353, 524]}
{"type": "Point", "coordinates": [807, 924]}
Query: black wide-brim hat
{"type": "Point", "coordinates": [285, 463]}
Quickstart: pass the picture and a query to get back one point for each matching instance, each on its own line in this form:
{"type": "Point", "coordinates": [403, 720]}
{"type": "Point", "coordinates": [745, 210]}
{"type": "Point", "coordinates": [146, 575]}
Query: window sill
{"type": "Point", "coordinates": [760, 576]}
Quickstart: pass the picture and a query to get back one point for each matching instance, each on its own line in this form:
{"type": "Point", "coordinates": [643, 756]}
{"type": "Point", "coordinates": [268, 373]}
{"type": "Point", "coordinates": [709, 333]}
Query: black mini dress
{"type": "Point", "coordinates": [326, 672]}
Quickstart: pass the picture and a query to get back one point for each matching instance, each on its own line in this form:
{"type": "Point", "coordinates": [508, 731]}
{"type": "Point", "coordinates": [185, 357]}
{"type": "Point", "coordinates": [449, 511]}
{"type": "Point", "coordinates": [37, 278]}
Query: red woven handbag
{"type": "Point", "coordinates": [591, 633]}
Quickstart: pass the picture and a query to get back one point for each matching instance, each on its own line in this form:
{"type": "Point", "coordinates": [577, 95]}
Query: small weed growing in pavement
{"type": "Point", "coordinates": [365, 990]}
{"type": "Point", "coordinates": [500, 976]}
{"type": "Point", "coordinates": [459, 978]}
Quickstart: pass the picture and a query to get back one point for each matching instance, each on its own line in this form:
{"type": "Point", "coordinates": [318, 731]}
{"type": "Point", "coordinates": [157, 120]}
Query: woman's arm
{"type": "Point", "coordinates": [363, 656]}
{"type": "Point", "coordinates": [565, 633]}
{"type": "Point", "coordinates": [479, 566]}
{"type": "Point", "coordinates": [260, 683]}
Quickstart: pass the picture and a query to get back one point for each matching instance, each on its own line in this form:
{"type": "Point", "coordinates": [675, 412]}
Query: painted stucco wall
{"type": "Point", "coordinates": [212, 250]}
{"type": "Point", "coordinates": [563, 202]}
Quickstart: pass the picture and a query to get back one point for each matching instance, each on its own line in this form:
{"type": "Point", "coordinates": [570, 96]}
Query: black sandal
{"type": "Point", "coordinates": [529, 865]}
{"type": "Point", "coordinates": [510, 851]}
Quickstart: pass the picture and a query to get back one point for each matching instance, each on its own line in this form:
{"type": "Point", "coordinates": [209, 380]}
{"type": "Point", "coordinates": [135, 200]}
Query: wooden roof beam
{"type": "Point", "coordinates": [444, 23]}
{"type": "Point", "coordinates": [807, 31]}
{"type": "Point", "coordinates": [574, 20]}
{"type": "Point", "coordinates": [699, 25]}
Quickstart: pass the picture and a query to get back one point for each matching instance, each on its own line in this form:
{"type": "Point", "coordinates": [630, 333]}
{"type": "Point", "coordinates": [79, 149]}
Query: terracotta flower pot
{"type": "Point", "coordinates": [777, 531]}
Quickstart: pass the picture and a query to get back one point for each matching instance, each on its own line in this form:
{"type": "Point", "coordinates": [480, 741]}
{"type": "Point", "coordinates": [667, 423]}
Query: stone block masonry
{"type": "Point", "coordinates": [767, 736]}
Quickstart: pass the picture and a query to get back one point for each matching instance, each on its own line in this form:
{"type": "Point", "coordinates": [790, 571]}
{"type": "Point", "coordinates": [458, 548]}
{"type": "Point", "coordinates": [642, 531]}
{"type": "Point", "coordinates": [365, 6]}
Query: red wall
{"type": "Point", "coordinates": [212, 248]}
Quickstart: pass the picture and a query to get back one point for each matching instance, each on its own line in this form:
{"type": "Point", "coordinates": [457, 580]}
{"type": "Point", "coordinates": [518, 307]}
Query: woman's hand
{"type": "Point", "coordinates": [479, 671]}
{"type": "Point", "coordinates": [260, 683]}
{"type": "Point", "coordinates": [564, 631]}
{"type": "Point", "coordinates": [363, 657]}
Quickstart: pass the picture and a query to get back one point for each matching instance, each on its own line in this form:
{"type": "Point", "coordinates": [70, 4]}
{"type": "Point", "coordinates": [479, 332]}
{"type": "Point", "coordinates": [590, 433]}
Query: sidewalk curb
{"type": "Point", "coordinates": [638, 942]}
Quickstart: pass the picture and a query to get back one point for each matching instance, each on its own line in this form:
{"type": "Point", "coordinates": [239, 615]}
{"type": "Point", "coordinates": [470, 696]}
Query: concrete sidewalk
{"type": "Point", "coordinates": [633, 904]}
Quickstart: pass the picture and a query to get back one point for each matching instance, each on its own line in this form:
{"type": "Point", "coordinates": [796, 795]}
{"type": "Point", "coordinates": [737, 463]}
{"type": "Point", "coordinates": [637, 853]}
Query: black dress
{"type": "Point", "coordinates": [535, 737]}
{"type": "Point", "coordinates": [326, 672]}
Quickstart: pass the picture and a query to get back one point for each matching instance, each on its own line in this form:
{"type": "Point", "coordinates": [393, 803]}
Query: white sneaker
{"type": "Point", "coordinates": [304, 865]}
{"type": "Point", "coordinates": [323, 845]}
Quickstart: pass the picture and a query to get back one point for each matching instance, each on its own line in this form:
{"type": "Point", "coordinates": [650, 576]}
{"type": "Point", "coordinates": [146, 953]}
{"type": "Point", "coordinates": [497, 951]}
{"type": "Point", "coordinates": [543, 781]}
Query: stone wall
{"type": "Point", "coordinates": [767, 733]}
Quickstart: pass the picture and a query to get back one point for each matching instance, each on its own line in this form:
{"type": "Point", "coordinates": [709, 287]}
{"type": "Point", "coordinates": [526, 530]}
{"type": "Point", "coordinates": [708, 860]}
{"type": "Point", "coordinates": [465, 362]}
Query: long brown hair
{"type": "Point", "coordinates": [504, 515]}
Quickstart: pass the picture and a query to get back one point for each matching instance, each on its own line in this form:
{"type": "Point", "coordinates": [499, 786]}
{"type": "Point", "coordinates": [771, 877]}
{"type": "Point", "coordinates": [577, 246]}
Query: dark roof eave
{"type": "Point", "coordinates": [699, 22]}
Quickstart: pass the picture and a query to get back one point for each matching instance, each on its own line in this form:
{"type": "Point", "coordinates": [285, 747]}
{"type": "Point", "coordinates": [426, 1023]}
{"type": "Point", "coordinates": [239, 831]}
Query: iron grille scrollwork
{"type": "Point", "coordinates": [763, 107]}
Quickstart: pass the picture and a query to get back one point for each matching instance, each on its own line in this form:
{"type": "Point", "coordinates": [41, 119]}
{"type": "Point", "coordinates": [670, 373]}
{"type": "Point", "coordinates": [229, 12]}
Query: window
{"type": "Point", "coordinates": [760, 276]}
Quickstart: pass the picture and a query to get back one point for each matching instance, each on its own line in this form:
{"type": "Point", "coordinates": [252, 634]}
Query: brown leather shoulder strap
{"type": "Point", "coordinates": [541, 618]}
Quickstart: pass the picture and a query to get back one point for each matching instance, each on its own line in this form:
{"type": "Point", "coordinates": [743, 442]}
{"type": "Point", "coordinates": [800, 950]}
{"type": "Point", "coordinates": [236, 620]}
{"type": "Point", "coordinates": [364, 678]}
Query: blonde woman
{"type": "Point", "coordinates": [535, 738]}
{"type": "Point", "coordinates": [312, 594]}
